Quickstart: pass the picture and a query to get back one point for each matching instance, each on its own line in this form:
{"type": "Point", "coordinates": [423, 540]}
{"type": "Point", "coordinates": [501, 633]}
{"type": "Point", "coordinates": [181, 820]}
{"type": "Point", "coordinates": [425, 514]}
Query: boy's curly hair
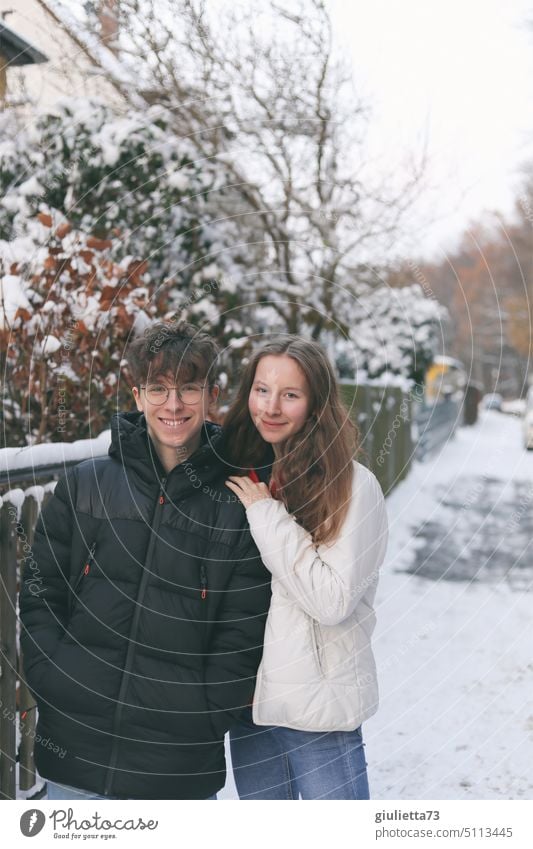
{"type": "Point", "coordinates": [176, 348]}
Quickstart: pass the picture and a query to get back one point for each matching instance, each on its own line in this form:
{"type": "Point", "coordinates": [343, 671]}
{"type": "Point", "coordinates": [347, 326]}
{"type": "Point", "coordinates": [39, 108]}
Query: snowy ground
{"type": "Point", "coordinates": [455, 647]}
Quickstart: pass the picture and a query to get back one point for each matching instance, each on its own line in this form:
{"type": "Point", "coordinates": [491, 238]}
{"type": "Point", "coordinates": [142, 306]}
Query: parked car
{"type": "Point", "coordinates": [528, 421]}
{"type": "Point", "coordinates": [493, 401]}
{"type": "Point", "coordinates": [516, 407]}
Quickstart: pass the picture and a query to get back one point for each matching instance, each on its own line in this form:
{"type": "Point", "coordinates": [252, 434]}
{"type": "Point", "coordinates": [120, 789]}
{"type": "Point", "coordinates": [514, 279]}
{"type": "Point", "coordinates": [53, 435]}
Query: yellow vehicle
{"type": "Point", "coordinates": [528, 421]}
{"type": "Point", "coordinates": [445, 378]}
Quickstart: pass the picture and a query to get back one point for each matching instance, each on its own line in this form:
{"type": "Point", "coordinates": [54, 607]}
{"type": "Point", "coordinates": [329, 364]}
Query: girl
{"type": "Point", "coordinates": [318, 519]}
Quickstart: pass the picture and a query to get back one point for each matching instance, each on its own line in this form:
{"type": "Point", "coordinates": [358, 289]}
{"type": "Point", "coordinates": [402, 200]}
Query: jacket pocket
{"type": "Point", "coordinates": [318, 648]}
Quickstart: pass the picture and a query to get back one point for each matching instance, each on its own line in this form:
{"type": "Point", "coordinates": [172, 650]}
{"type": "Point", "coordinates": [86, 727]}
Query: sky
{"type": "Point", "coordinates": [457, 75]}
{"type": "Point", "coordinates": [454, 78]}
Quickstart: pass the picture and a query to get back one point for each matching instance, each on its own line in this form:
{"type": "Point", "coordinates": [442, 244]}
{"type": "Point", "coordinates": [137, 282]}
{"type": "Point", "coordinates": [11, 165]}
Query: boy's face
{"type": "Point", "coordinates": [174, 422]}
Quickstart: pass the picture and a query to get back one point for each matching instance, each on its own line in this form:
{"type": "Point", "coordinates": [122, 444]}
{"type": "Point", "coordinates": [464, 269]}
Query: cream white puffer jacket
{"type": "Point", "coordinates": [318, 671]}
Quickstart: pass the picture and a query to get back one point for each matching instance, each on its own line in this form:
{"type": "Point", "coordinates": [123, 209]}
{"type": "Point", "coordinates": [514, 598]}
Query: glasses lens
{"type": "Point", "coordinates": [157, 394]}
{"type": "Point", "coordinates": [191, 394]}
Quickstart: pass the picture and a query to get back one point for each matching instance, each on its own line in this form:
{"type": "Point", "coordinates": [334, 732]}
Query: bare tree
{"type": "Point", "coordinates": [263, 89]}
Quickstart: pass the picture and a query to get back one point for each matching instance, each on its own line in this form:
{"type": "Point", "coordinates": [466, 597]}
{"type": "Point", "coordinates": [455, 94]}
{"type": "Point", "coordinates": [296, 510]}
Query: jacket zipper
{"type": "Point", "coordinates": [87, 568]}
{"type": "Point", "coordinates": [318, 648]}
{"type": "Point", "coordinates": [84, 572]}
{"type": "Point", "coordinates": [203, 581]}
{"type": "Point", "coordinates": [156, 520]}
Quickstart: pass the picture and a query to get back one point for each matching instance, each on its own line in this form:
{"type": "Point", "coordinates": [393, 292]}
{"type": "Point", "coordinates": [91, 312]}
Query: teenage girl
{"type": "Point", "coordinates": [318, 519]}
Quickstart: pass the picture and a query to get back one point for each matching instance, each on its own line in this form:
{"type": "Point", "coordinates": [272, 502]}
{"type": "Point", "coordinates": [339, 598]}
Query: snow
{"type": "Point", "coordinates": [235, 344]}
{"type": "Point", "coordinates": [207, 308]}
{"type": "Point", "coordinates": [12, 296]}
{"type": "Point", "coordinates": [54, 453]}
{"type": "Point", "coordinates": [111, 137]}
{"type": "Point", "coordinates": [16, 498]}
{"type": "Point", "coordinates": [140, 323]}
{"type": "Point", "coordinates": [392, 332]}
{"type": "Point", "coordinates": [30, 187]}
{"type": "Point", "coordinates": [50, 345]}
{"type": "Point", "coordinates": [455, 662]}
{"type": "Point", "coordinates": [178, 180]}
{"type": "Point", "coordinates": [36, 492]}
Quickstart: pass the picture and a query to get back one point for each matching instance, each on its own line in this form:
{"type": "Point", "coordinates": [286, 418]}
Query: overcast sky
{"type": "Point", "coordinates": [459, 72]}
{"type": "Point", "coordinates": [457, 75]}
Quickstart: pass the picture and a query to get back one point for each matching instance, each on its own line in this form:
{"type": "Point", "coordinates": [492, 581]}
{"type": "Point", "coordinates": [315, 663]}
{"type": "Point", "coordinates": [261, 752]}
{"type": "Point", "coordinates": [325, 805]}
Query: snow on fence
{"type": "Point", "coordinates": [36, 463]}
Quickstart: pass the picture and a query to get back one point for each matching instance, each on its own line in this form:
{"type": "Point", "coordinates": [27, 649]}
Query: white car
{"type": "Point", "coordinates": [493, 401]}
{"type": "Point", "coordinates": [528, 421]}
{"type": "Point", "coordinates": [516, 407]}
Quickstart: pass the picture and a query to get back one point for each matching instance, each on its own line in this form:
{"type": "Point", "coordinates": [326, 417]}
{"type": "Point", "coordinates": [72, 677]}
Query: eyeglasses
{"type": "Point", "coordinates": [157, 393]}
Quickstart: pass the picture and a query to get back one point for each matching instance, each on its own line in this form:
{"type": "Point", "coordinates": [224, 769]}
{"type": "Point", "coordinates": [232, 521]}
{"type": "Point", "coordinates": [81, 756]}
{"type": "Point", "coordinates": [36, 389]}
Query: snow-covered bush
{"type": "Point", "coordinates": [129, 178]}
{"type": "Point", "coordinates": [104, 225]}
{"type": "Point", "coordinates": [393, 332]}
{"type": "Point", "coordinates": [66, 317]}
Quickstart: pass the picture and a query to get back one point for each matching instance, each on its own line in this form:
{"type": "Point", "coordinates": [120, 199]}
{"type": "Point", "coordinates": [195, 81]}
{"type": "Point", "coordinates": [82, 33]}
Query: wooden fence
{"type": "Point", "coordinates": [19, 510]}
{"type": "Point", "coordinates": [17, 707]}
{"type": "Point", "coordinates": [383, 416]}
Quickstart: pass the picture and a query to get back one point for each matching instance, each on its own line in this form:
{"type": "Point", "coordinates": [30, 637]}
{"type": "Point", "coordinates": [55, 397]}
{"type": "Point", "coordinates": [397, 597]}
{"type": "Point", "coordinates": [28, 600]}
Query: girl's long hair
{"type": "Point", "coordinates": [313, 474]}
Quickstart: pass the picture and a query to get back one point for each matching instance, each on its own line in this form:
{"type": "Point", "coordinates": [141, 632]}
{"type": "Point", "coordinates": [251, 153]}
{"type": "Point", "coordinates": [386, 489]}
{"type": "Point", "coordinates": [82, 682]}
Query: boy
{"type": "Point", "coordinates": [143, 640]}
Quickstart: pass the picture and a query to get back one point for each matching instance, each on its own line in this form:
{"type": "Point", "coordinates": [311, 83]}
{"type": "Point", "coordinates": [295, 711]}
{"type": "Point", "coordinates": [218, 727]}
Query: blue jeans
{"type": "Point", "coordinates": [270, 762]}
{"type": "Point", "coordinates": [64, 791]}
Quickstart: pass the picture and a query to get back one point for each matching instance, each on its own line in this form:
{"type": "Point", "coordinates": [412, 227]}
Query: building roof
{"type": "Point", "coordinates": [17, 50]}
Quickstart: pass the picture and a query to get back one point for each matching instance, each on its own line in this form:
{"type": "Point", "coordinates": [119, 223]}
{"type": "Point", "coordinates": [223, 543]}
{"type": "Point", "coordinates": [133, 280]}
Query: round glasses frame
{"type": "Point", "coordinates": [157, 394]}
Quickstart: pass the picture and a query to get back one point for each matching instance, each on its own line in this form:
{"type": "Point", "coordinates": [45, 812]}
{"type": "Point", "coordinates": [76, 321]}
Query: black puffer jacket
{"type": "Point", "coordinates": [143, 621]}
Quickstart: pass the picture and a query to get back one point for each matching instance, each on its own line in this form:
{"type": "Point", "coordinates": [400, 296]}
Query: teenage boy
{"type": "Point", "coordinates": [143, 636]}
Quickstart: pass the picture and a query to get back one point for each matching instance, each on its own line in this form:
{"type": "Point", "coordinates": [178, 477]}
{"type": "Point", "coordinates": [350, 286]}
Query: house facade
{"type": "Point", "coordinates": [52, 30]}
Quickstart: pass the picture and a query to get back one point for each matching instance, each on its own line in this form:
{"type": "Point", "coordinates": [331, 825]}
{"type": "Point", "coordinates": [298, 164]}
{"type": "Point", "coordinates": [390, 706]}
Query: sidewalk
{"type": "Point", "coordinates": [454, 646]}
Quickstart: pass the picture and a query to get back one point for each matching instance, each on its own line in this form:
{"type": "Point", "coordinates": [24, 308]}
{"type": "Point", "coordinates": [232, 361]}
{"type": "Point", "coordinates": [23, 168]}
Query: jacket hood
{"type": "Point", "coordinates": [132, 446]}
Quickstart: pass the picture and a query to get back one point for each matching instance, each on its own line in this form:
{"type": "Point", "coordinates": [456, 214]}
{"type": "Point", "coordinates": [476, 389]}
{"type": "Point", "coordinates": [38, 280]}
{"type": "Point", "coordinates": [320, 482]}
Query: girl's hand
{"type": "Point", "coordinates": [247, 491]}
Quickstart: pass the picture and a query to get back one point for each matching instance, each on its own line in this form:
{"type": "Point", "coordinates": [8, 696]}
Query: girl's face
{"type": "Point", "coordinates": [280, 399]}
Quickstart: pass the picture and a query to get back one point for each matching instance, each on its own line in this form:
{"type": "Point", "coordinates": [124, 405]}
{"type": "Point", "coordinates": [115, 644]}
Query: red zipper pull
{"type": "Point", "coordinates": [87, 569]}
{"type": "Point", "coordinates": [203, 582]}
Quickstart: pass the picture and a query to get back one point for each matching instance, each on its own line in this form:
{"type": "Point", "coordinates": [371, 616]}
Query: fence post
{"type": "Point", "coordinates": [8, 651]}
{"type": "Point", "coordinates": [27, 706]}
